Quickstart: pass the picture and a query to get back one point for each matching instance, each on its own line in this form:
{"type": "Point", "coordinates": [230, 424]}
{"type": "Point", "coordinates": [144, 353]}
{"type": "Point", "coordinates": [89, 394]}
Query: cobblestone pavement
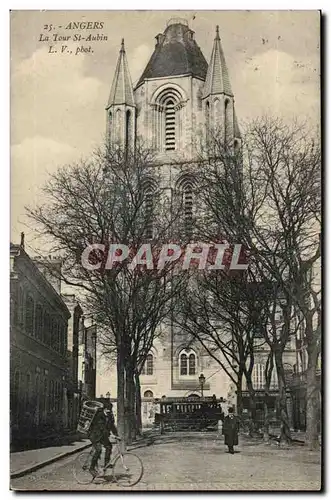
{"type": "Point", "coordinates": [198, 462]}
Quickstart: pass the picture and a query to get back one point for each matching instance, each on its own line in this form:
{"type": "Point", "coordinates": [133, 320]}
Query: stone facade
{"type": "Point", "coordinates": [178, 100]}
{"type": "Point", "coordinates": [38, 351]}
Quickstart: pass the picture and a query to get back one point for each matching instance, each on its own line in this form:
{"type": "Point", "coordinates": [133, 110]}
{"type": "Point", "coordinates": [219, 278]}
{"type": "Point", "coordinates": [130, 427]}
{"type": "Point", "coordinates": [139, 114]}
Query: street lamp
{"type": "Point", "coordinates": [202, 380]}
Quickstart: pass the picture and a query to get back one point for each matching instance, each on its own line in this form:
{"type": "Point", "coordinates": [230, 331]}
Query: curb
{"type": "Point", "coordinates": [49, 461]}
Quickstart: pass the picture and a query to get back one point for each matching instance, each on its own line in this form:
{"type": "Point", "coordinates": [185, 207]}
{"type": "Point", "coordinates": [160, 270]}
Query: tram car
{"type": "Point", "coordinates": [188, 414]}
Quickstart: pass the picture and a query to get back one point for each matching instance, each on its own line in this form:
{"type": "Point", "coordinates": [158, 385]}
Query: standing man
{"type": "Point", "coordinates": [230, 430]}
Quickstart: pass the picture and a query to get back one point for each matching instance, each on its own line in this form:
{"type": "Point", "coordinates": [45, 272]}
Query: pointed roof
{"type": "Point", "coordinates": [217, 79]}
{"type": "Point", "coordinates": [121, 90]}
{"type": "Point", "coordinates": [176, 53]}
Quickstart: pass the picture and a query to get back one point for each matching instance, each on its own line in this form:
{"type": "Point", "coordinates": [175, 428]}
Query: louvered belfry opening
{"type": "Point", "coordinates": [170, 125]}
{"type": "Point", "coordinates": [188, 207]}
{"type": "Point", "coordinates": [149, 213]}
{"type": "Point", "coordinates": [149, 206]}
{"type": "Point", "coordinates": [186, 186]}
{"type": "Point", "coordinates": [168, 119]}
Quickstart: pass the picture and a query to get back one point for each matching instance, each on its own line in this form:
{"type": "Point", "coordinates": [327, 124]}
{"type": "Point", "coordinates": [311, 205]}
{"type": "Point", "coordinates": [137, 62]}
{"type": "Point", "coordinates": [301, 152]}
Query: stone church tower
{"type": "Point", "coordinates": [179, 97]}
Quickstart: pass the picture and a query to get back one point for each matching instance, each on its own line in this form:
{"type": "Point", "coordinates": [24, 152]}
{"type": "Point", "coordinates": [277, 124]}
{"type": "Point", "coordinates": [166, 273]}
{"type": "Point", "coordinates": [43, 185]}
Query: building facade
{"type": "Point", "coordinates": [177, 102]}
{"type": "Point", "coordinates": [73, 389]}
{"type": "Point", "coordinates": [38, 351]}
{"type": "Point", "coordinates": [87, 361]}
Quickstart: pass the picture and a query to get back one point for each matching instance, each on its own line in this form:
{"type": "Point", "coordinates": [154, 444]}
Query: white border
{"type": "Point", "coordinates": [4, 170]}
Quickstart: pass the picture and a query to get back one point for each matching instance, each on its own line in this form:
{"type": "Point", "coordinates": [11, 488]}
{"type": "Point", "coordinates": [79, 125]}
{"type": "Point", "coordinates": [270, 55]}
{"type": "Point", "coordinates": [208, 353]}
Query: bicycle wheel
{"type": "Point", "coordinates": [81, 467]}
{"type": "Point", "coordinates": [128, 469]}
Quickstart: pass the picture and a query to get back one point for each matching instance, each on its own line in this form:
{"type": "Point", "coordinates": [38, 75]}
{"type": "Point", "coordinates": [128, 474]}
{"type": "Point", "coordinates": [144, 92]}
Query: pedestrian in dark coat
{"type": "Point", "coordinates": [102, 425]}
{"type": "Point", "coordinates": [230, 430]}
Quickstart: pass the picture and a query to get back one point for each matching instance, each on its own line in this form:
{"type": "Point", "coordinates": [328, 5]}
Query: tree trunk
{"type": "Point", "coordinates": [266, 422]}
{"type": "Point", "coordinates": [267, 376]}
{"type": "Point", "coordinates": [285, 432]}
{"type": "Point", "coordinates": [239, 395]}
{"type": "Point", "coordinates": [121, 394]}
{"type": "Point", "coordinates": [312, 399]}
{"type": "Point", "coordinates": [138, 403]}
{"type": "Point", "coordinates": [252, 406]}
{"type": "Point", "coordinates": [130, 400]}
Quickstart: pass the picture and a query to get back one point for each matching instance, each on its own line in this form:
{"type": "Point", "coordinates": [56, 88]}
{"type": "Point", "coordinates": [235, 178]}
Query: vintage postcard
{"type": "Point", "coordinates": [165, 254]}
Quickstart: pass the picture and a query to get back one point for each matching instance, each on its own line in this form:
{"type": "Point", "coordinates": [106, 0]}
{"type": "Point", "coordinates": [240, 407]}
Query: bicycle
{"type": "Point", "coordinates": [125, 468]}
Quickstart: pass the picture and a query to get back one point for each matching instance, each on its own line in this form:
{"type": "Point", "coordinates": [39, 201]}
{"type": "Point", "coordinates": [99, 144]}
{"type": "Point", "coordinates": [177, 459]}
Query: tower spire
{"type": "Point", "coordinates": [122, 46]}
{"type": "Point", "coordinates": [121, 90]}
{"type": "Point", "coordinates": [217, 79]}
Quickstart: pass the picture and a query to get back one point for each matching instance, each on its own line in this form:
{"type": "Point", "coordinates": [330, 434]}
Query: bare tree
{"type": "Point", "coordinates": [221, 310]}
{"type": "Point", "coordinates": [103, 202]}
{"type": "Point", "coordinates": [266, 196]}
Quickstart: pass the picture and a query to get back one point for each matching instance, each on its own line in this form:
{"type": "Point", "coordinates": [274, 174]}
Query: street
{"type": "Point", "coordinates": [198, 461]}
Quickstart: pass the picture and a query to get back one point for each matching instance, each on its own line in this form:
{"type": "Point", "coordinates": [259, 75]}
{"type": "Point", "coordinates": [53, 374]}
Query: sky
{"type": "Point", "coordinates": [58, 100]}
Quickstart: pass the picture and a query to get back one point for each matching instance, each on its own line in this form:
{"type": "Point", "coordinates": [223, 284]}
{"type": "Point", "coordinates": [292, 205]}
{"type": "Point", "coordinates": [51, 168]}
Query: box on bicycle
{"type": "Point", "coordinates": [87, 414]}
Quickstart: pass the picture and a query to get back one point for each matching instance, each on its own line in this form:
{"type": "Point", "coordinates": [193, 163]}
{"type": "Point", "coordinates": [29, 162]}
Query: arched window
{"type": "Point", "coordinates": [147, 404]}
{"type": "Point", "coordinates": [118, 120]}
{"type": "Point", "coordinates": [183, 364]}
{"type": "Point", "coordinates": [191, 364]}
{"type": "Point", "coordinates": [207, 120]}
{"type": "Point", "coordinates": [186, 187]}
{"type": "Point", "coordinates": [29, 315]}
{"type": "Point", "coordinates": [149, 190]}
{"type": "Point", "coordinates": [128, 134]}
{"type": "Point", "coordinates": [188, 363]}
{"type": "Point", "coordinates": [227, 120]}
{"type": "Point", "coordinates": [188, 207]}
{"type": "Point", "coordinates": [258, 376]}
{"type": "Point", "coordinates": [167, 119]}
{"type": "Point", "coordinates": [148, 366]}
{"type": "Point", "coordinates": [170, 125]}
{"type": "Point", "coordinates": [149, 213]}
{"type": "Point", "coordinates": [39, 322]}
{"type": "Point", "coordinates": [217, 114]}
{"type": "Point", "coordinates": [110, 124]}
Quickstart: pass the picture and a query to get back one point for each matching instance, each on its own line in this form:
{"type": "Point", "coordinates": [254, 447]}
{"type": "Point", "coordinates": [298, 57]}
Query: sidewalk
{"type": "Point", "coordinates": [24, 462]}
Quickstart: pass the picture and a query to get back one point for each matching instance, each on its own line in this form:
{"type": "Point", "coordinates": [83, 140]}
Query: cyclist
{"type": "Point", "coordinates": [102, 425]}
